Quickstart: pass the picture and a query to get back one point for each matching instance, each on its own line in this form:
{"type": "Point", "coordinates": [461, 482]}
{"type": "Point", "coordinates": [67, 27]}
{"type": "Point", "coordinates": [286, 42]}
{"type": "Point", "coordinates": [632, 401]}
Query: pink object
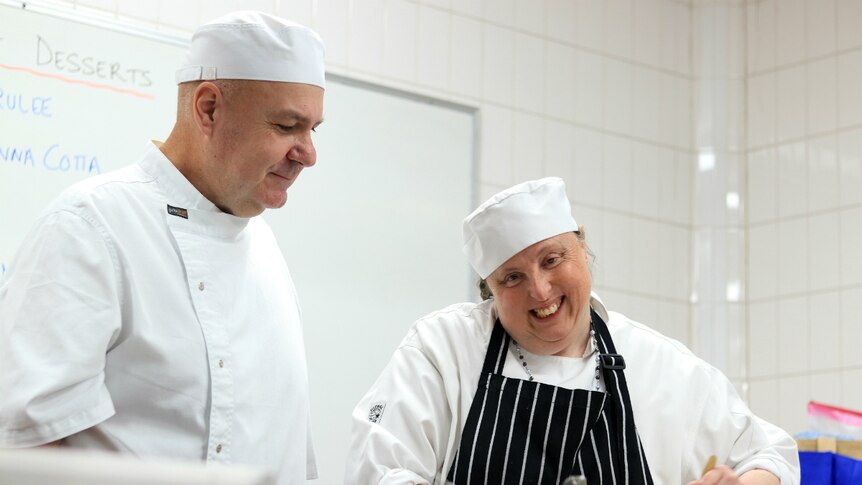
{"type": "Point", "coordinates": [834, 420]}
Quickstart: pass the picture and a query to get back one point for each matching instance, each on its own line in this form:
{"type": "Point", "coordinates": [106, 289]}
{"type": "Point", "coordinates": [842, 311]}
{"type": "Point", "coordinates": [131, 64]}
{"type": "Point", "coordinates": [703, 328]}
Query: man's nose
{"type": "Point", "coordinates": [303, 152]}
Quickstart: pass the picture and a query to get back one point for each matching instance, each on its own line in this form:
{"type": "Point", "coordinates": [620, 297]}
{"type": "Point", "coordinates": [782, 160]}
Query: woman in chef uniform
{"type": "Point", "coordinates": [540, 382]}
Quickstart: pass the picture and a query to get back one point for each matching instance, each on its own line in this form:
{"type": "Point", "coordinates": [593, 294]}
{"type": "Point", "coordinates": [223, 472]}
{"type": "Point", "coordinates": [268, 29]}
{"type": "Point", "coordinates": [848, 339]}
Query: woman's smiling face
{"type": "Point", "coordinates": [542, 296]}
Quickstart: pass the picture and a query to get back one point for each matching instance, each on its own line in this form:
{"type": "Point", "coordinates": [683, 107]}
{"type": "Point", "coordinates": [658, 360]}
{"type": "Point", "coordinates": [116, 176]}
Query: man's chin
{"type": "Point", "coordinates": [276, 202]}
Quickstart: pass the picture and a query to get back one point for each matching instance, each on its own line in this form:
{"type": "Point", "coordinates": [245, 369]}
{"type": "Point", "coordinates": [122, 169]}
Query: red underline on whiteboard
{"type": "Point", "coordinates": [77, 81]}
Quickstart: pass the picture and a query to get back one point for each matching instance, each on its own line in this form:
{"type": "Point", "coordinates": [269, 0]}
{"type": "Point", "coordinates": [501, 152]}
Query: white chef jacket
{"type": "Point", "coordinates": [126, 327]}
{"type": "Point", "coordinates": [685, 409]}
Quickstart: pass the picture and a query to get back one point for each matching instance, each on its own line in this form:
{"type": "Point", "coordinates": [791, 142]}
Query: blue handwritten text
{"type": "Point", "coordinates": [55, 159]}
{"type": "Point", "coordinates": [23, 104]}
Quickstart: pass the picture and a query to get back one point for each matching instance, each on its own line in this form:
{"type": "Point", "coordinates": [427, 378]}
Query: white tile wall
{"type": "Point", "coordinates": [588, 98]}
{"type": "Point", "coordinates": [465, 55]}
{"type": "Point", "coordinates": [647, 25]}
{"type": "Point", "coordinates": [763, 398]}
{"type": "Point", "coordinates": [399, 45]}
{"type": "Point", "coordinates": [527, 152]}
{"type": "Point", "coordinates": [793, 256]}
{"type": "Point", "coordinates": [763, 261]}
{"type": "Point", "coordinates": [793, 345]}
{"type": "Point", "coordinates": [762, 186]}
{"type": "Point", "coordinates": [646, 103]}
{"type": "Point", "coordinates": [103, 5]}
{"type": "Point", "coordinates": [848, 13]}
{"type": "Point", "coordinates": [793, 399]}
{"type": "Point", "coordinates": [643, 247]}
{"type": "Point", "coordinates": [617, 96]}
{"type": "Point", "coordinates": [791, 112]}
{"type": "Point", "coordinates": [823, 184]}
{"type": "Point", "coordinates": [761, 35]}
{"type": "Point", "coordinates": [559, 155]}
{"type": "Point", "coordinates": [559, 20]}
{"type": "Point", "coordinates": [618, 27]}
{"type": "Point", "coordinates": [822, 95]}
{"type": "Point", "coordinates": [821, 34]}
{"type": "Point", "coordinates": [824, 332]}
{"type": "Point", "coordinates": [792, 179]}
{"type": "Point", "coordinates": [761, 121]}
{"type": "Point", "coordinates": [851, 330]}
{"type": "Point", "coordinates": [497, 125]}
{"type": "Point", "coordinates": [472, 8]}
{"type": "Point", "coordinates": [529, 83]}
{"type": "Point", "coordinates": [825, 387]}
{"type": "Point", "coordinates": [645, 180]}
{"type": "Point", "coordinates": [432, 46]}
{"type": "Point", "coordinates": [301, 11]}
{"type": "Point", "coordinates": [850, 166]}
{"type": "Point", "coordinates": [851, 242]}
{"type": "Point", "coordinates": [617, 173]}
{"type": "Point", "coordinates": [529, 15]}
{"type": "Point", "coordinates": [762, 335]}
{"type": "Point", "coordinates": [851, 391]}
{"type": "Point", "coordinates": [498, 65]}
{"type": "Point", "coordinates": [589, 23]}
{"type": "Point", "coordinates": [790, 26]}
{"type": "Point", "coordinates": [500, 12]}
{"type": "Point", "coordinates": [137, 10]}
{"type": "Point", "coordinates": [367, 28]}
{"type": "Point", "coordinates": [588, 167]}
{"type": "Point", "coordinates": [805, 141]}
{"type": "Point", "coordinates": [331, 20]}
{"type": "Point", "coordinates": [824, 251]}
{"type": "Point", "coordinates": [559, 76]}
{"type": "Point", "coordinates": [617, 257]}
{"type": "Point", "coordinates": [849, 94]}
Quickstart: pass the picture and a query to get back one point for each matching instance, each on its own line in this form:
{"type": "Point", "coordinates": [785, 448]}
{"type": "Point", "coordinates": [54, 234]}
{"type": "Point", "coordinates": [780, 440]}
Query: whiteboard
{"type": "Point", "coordinates": [371, 233]}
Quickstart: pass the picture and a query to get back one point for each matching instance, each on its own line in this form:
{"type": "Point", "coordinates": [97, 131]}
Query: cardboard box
{"type": "Point", "coordinates": [852, 449]}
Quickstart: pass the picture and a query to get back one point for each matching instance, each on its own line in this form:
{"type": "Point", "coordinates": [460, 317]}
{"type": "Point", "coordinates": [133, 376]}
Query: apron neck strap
{"type": "Point", "coordinates": [495, 357]}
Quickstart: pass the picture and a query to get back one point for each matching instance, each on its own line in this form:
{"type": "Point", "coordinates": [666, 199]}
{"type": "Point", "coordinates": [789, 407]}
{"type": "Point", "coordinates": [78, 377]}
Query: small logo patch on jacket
{"type": "Point", "coordinates": [376, 412]}
{"type": "Point", "coordinates": [178, 211]}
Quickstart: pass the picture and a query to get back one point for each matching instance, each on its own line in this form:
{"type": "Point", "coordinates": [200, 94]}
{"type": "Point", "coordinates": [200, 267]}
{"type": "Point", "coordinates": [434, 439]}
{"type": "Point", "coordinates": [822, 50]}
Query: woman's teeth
{"type": "Point", "coordinates": [546, 312]}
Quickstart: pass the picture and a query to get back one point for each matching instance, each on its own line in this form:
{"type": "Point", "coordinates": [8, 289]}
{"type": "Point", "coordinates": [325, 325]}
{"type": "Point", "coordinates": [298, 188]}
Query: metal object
{"type": "Point", "coordinates": [575, 480]}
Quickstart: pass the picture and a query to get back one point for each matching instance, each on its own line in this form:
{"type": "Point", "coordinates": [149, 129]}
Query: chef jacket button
{"type": "Point", "coordinates": [218, 448]}
{"type": "Point", "coordinates": [220, 363]}
{"type": "Point", "coordinates": [201, 286]}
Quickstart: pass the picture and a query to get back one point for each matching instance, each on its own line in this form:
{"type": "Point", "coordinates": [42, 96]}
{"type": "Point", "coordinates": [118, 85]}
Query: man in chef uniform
{"type": "Point", "coordinates": [540, 381]}
{"type": "Point", "coordinates": [150, 310]}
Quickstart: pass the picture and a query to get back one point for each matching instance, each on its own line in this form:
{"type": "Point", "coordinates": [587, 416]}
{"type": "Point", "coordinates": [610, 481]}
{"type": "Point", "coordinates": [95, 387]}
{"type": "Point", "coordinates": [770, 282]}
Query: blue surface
{"type": "Point", "coordinates": [819, 468]}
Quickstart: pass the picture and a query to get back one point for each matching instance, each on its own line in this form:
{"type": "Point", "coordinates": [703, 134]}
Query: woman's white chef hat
{"type": "Point", "coordinates": [255, 46]}
{"type": "Point", "coordinates": [515, 219]}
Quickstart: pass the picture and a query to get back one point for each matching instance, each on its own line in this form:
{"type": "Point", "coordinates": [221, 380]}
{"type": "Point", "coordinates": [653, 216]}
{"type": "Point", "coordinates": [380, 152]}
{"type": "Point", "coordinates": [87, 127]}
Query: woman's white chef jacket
{"type": "Point", "coordinates": [130, 326]}
{"type": "Point", "coordinates": [685, 409]}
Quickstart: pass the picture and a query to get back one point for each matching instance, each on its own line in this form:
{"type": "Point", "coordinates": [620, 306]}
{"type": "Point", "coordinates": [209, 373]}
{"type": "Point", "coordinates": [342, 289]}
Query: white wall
{"type": "Point", "coordinates": [804, 146]}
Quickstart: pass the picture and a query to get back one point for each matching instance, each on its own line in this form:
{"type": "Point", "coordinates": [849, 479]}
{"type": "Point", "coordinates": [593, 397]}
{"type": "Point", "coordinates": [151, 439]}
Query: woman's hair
{"type": "Point", "coordinates": [485, 290]}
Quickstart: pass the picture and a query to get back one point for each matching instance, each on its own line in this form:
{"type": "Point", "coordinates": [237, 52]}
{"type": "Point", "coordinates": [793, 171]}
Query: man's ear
{"type": "Point", "coordinates": [207, 97]}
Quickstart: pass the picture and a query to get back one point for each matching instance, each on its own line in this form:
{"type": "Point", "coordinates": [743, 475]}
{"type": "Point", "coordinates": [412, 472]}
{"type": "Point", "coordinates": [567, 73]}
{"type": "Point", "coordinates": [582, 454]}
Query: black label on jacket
{"type": "Point", "coordinates": [178, 211]}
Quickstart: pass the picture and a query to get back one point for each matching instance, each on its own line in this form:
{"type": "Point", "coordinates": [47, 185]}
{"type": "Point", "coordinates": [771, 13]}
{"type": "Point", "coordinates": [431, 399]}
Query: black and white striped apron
{"type": "Point", "coordinates": [525, 432]}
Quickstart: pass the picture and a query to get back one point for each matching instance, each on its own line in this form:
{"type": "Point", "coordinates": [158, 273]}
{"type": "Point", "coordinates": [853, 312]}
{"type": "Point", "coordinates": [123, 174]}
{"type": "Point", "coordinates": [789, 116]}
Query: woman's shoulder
{"type": "Point", "coordinates": [457, 319]}
{"type": "Point", "coordinates": [455, 329]}
{"type": "Point", "coordinates": [643, 346]}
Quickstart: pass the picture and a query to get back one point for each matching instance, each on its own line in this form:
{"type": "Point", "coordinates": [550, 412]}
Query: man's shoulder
{"type": "Point", "coordinates": [103, 191]}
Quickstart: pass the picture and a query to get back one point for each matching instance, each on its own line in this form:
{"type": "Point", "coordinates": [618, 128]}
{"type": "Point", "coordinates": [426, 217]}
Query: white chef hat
{"type": "Point", "coordinates": [515, 219]}
{"type": "Point", "coordinates": [256, 46]}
